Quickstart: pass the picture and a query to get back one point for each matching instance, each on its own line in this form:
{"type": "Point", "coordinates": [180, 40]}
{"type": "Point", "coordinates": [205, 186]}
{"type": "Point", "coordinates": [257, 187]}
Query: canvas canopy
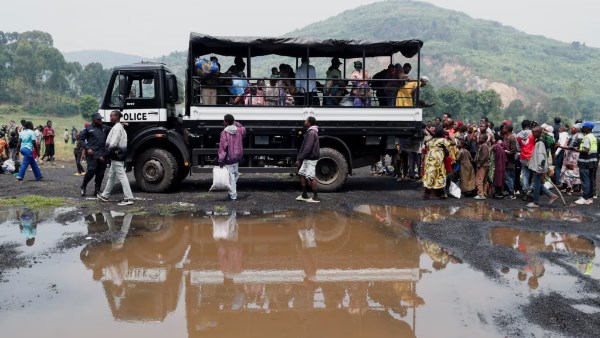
{"type": "Point", "coordinates": [299, 46]}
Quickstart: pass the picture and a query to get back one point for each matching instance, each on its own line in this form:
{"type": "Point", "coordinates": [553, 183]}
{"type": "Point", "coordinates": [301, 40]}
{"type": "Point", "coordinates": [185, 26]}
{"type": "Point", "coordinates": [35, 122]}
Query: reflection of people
{"type": "Point", "coordinates": [225, 232]}
{"type": "Point", "coordinates": [308, 248]}
{"type": "Point", "coordinates": [28, 226]}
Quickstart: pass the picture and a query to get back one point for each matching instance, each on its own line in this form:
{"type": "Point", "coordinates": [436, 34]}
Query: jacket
{"type": "Point", "coordinates": [94, 137]}
{"type": "Point", "coordinates": [116, 143]}
{"type": "Point", "coordinates": [310, 149]}
{"type": "Point", "coordinates": [231, 146]}
{"type": "Point", "coordinates": [539, 160]}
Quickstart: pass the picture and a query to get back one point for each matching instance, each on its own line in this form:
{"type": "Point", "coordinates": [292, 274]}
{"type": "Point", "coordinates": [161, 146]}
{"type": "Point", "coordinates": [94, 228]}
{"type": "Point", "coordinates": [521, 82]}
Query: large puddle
{"type": "Point", "coordinates": [284, 274]}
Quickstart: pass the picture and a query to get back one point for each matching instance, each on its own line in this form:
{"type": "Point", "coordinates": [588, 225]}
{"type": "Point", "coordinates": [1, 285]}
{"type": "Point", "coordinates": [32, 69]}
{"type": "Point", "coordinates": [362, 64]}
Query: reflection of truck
{"type": "Point", "coordinates": [172, 131]}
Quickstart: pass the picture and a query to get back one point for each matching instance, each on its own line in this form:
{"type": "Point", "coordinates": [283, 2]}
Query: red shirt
{"type": "Point", "coordinates": [48, 135]}
{"type": "Point", "coordinates": [527, 149]}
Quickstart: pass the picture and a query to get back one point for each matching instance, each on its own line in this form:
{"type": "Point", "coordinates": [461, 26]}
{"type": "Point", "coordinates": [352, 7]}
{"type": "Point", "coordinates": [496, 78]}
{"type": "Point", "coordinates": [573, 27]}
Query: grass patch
{"type": "Point", "coordinates": [34, 202]}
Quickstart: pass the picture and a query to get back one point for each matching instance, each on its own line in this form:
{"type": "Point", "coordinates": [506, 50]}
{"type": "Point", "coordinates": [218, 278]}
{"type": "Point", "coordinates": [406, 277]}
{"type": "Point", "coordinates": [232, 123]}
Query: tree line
{"type": "Point", "coordinates": [35, 75]}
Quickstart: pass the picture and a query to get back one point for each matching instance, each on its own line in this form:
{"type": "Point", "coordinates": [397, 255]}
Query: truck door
{"type": "Point", "coordinates": [142, 97]}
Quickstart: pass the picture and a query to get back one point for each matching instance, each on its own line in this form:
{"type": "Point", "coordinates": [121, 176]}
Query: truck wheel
{"type": "Point", "coordinates": [332, 170]}
{"type": "Point", "coordinates": [155, 170]}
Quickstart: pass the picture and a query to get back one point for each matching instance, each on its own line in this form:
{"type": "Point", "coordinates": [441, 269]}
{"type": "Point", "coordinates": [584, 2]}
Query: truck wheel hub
{"type": "Point", "coordinates": [327, 170]}
{"type": "Point", "coordinates": [153, 171]}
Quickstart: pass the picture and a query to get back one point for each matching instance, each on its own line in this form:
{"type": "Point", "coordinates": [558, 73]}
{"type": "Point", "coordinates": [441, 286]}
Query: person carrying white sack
{"type": "Point", "coordinates": [116, 144]}
{"type": "Point", "coordinates": [231, 151]}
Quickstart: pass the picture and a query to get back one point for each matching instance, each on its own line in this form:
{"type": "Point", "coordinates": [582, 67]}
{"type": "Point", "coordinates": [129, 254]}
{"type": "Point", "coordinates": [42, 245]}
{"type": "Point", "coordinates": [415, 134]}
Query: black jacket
{"type": "Point", "coordinates": [310, 146]}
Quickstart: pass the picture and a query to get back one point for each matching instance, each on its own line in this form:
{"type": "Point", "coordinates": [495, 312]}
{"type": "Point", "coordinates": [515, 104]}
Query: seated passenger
{"type": "Point", "coordinates": [358, 73]}
{"type": "Point", "coordinates": [286, 86]}
{"type": "Point", "coordinates": [407, 94]}
{"type": "Point", "coordinates": [237, 85]}
{"type": "Point", "coordinates": [255, 95]}
{"type": "Point", "coordinates": [360, 91]}
{"type": "Point", "coordinates": [272, 91]}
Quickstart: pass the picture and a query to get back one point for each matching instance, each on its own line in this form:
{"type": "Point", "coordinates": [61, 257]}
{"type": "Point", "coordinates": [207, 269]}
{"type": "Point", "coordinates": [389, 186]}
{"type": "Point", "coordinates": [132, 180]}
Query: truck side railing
{"type": "Point", "coordinates": [328, 92]}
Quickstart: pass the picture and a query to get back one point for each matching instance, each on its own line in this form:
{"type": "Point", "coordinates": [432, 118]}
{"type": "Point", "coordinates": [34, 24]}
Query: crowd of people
{"type": "Point", "coordinates": [97, 145]}
{"type": "Point", "coordinates": [285, 87]}
{"type": "Point", "coordinates": [486, 160]}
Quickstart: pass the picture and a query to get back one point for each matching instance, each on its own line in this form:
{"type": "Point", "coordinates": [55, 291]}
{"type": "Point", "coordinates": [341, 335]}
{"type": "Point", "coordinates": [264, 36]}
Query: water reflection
{"type": "Point", "coordinates": [313, 274]}
{"type": "Point", "coordinates": [531, 243]}
{"type": "Point", "coordinates": [28, 225]}
{"type": "Point", "coordinates": [473, 211]}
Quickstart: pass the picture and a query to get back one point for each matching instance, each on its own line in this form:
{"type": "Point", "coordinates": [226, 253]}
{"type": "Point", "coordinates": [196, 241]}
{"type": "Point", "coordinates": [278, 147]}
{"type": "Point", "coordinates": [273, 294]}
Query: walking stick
{"type": "Point", "coordinates": [558, 190]}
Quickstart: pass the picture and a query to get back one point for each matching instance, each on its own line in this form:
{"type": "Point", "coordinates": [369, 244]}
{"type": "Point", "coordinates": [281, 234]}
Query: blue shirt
{"type": "Point", "coordinates": [28, 138]}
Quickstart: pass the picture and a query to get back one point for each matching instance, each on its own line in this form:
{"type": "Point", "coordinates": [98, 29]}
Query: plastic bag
{"type": "Point", "coordinates": [454, 190]}
{"type": "Point", "coordinates": [205, 68]}
{"type": "Point", "coordinates": [220, 179]}
{"type": "Point", "coordinates": [8, 167]}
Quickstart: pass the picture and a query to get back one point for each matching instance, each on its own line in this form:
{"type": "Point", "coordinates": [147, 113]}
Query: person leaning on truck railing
{"type": "Point", "coordinates": [406, 94]}
{"type": "Point", "coordinates": [307, 160]}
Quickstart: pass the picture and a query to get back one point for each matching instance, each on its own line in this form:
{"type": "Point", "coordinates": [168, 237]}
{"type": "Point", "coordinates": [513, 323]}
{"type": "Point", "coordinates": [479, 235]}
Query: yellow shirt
{"type": "Point", "coordinates": [404, 98]}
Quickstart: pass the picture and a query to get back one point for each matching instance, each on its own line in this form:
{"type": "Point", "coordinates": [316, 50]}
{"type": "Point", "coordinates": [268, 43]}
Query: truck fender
{"type": "Point", "coordinates": [170, 137]}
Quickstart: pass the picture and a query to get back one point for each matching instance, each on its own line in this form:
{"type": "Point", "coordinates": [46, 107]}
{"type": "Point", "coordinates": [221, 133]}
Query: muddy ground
{"type": "Point", "coordinates": [464, 238]}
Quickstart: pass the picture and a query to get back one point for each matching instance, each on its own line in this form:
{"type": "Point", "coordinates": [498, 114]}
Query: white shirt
{"type": "Point", "coordinates": [563, 140]}
{"type": "Point", "coordinates": [301, 74]}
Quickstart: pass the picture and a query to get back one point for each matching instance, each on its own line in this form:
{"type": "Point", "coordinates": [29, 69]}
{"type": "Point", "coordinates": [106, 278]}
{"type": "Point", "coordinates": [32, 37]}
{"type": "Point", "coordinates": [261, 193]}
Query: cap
{"type": "Point", "coordinates": [424, 78]}
{"type": "Point", "coordinates": [549, 129]}
{"type": "Point", "coordinates": [506, 122]}
{"type": "Point", "coordinates": [357, 63]}
{"type": "Point", "coordinates": [336, 61]}
{"type": "Point", "coordinates": [96, 116]}
{"type": "Point", "coordinates": [588, 124]}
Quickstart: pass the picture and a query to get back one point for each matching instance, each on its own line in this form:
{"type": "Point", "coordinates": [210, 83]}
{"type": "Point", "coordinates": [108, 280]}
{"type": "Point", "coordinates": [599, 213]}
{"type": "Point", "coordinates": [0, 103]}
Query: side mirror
{"type": "Point", "coordinates": [172, 92]}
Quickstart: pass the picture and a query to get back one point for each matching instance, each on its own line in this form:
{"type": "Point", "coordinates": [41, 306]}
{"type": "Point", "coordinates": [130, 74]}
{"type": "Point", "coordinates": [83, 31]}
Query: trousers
{"type": "Point", "coordinates": [117, 172]}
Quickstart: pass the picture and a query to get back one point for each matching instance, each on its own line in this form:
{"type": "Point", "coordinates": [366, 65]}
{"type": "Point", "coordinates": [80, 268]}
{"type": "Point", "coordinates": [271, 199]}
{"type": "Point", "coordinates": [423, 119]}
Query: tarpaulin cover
{"type": "Point", "coordinates": [297, 47]}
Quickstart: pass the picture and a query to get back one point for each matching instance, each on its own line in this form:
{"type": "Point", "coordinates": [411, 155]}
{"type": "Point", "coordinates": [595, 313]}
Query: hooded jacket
{"type": "Point", "coordinates": [539, 158]}
{"type": "Point", "coordinates": [231, 147]}
{"type": "Point", "coordinates": [310, 146]}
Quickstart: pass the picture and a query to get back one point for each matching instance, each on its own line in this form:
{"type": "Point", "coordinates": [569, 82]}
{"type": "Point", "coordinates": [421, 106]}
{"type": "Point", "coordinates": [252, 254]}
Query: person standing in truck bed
{"type": "Point", "coordinates": [307, 160]}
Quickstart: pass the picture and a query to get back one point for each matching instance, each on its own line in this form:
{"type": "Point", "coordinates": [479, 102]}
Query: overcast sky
{"type": "Point", "coordinates": [153, 28]}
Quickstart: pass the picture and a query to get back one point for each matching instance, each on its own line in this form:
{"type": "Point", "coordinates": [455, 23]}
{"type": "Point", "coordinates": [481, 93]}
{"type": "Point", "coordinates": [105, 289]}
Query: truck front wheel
{"type": "Point", "coordinates": [155, 170]}
{"type": "Point", "coordinates": [332, 170]}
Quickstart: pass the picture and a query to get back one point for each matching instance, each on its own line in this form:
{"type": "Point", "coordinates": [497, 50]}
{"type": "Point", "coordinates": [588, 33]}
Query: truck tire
{"type": "Point", "coordinates": [331, 171]}
{"type": "Point", "coordinates": [155, 170]}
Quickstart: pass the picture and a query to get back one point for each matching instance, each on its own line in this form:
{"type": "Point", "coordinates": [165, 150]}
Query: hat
{"type": "Point", "coordinates": [424, 78]}
{"type": "Point", "coordinates": [96, 116]}
{"type": "Point", "coordinates": [335, 61]}
{"type": "Point", "coordinates": [86, 124]}
{"type": "Point", "coordinates": [549, 129]}
{"type": "Point", "coordinates": [357, 63]}
{"type": "Point", "coordinates": [506, 122]}
{"type": "Point", "coordinates": [588, 124]}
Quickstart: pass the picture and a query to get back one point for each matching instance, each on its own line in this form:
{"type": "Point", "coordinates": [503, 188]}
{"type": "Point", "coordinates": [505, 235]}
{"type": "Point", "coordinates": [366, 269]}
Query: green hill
{"type": "Point", "coordinates": [475, 54]}
{"type": "Point", "coordinates": [108, 59]}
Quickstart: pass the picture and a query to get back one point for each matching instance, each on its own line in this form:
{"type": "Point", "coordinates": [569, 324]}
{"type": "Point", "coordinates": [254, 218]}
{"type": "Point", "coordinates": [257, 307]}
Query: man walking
{"type": "Point", "coordinates": [116, 143]}
{"type": "Point", "coordinates": [307, 160]}
{"type": "Point", "coordinates": [231, 151]}
{"type": "Point", "coordinates": [588, 162]}
{"type": "Point", "coordinates": [93, 139]}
